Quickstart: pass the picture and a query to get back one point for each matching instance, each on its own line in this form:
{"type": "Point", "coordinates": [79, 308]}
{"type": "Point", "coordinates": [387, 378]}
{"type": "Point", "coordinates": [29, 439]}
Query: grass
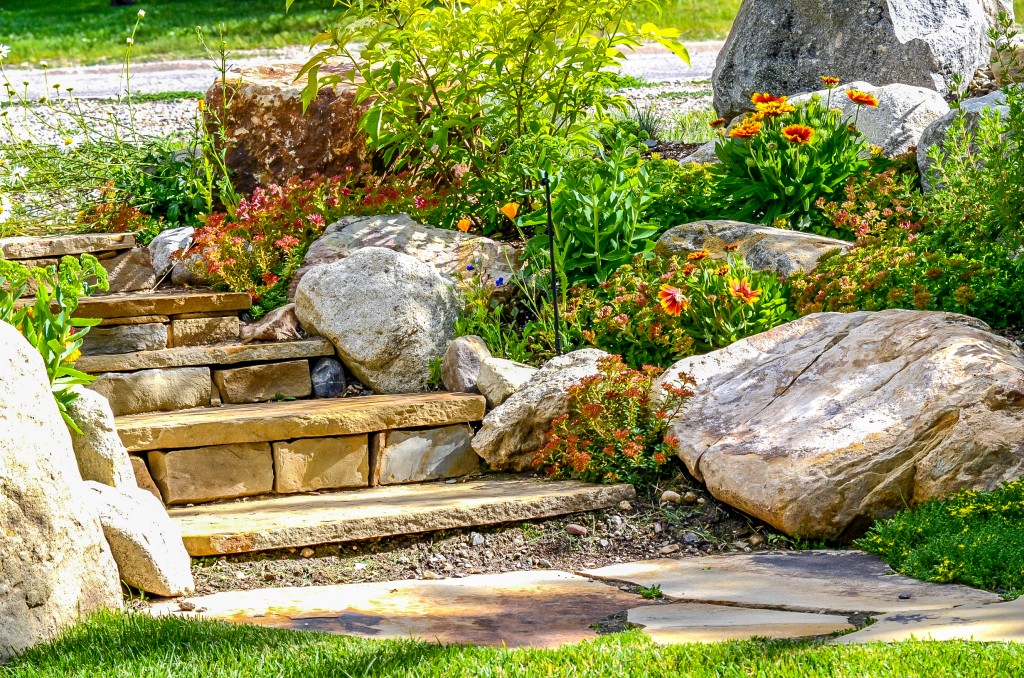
{"type": "Point", "coordinates": [126, 646]}
{"type": "Point", "coordinates": [973, 538]}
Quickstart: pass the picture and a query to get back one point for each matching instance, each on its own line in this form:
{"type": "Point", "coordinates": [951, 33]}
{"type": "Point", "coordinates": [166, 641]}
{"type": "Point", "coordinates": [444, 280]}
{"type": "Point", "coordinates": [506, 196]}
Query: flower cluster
{"type": "Point", "coordinates": [614, 429]}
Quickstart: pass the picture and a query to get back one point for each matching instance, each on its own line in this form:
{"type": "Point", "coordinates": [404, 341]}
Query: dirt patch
{"type": "Point", "coordinates": [641, 531]}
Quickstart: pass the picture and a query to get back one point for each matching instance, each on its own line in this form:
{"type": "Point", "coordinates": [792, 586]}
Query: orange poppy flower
{"type": "Point", "coordinates": [749, 128]}
{"type": "Point", "coordinates": [741, 289]}
{"type": "Point", "coordinates": [510, 209]}
{"type": "Point", "coordinates": [765, 98]}
{"type": "Point", "coordinates": [830, 82]}
{"type": "Point", "coordinates": [862, 98]}
{"type": "Point", "coordinates": [798, 134]}
{"type": "Point", "coordinates": [673, 300]}
{"type": "Point", "coordinates": [773, 108]}
{"type": "Point", "coordinates": [464, 225]}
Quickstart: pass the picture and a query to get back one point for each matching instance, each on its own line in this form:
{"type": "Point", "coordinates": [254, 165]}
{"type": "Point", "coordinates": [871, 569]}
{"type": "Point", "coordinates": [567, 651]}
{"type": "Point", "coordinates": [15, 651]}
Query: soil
{"type": "Point", "coordinates": [641, 530]}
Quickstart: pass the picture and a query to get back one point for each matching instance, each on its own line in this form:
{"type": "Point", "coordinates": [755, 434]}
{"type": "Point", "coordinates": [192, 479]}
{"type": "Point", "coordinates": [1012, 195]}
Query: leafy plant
{"type": "Point", "coordinates": [47, 321]}
{"type": "Point", "coordinates": [781, 160]}
{"type": "Point", "coordinates": [660, 311]}
{"type": "Point", "coordinates": [686, 193]}
{"type": "Point", "coordinates": [612, 432]}
{"type": "Point", "coordinates": [973, 538]}
{"type": "Point", "coordinates": [450, 84]}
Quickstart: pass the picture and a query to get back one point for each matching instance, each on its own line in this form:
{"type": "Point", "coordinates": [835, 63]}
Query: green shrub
{"type": "Point", "coordinates": [686, 193]}
{"type": "Point", "coordinates": [779, 162]}
{"type": "Point", "coordinates": [973, 538]}
{"type": "Point", "coordinates": [47, 323]}
{"type": "Point", "coordinates": [611, 432]}
{"type": "Point", "coordinates": [659, 311]}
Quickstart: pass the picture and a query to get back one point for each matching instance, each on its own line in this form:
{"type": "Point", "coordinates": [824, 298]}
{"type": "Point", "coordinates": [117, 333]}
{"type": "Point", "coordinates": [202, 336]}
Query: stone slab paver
{"type": "Point", "coordinates": [801, 581]}
{"type": "Point", "coordinates": [36, 247]}
{"type": "Point", "coordinates": [701, 623]}
{"type": "Point", "coordinates": [161, 303]}
{"type": "Point", "coordinates": [192, 356]}
{"type": "Point", "coordinates": [995, 622]}
{"type": "Point", "coordinates": [263, 422]}
{"type": "Point", "coordinates": [513, 609]}
{"type": "Point", "coordinates": [353, 515]}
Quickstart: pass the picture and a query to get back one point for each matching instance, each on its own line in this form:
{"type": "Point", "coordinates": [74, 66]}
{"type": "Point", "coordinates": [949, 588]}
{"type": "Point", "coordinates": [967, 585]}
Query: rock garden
{"type": "Point", "coordinates": [455, 334]}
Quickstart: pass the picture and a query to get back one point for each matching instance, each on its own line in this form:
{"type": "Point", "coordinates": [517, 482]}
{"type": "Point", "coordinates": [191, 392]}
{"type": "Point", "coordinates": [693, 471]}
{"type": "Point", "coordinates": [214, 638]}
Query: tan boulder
{"type": "Point", "coordinates": [272, 139]}
{"type": "Point", "coordinates": [763, 247]}
{"type": "Point", "coordinates": [101, 455]}
{"type": "Point", "coordinates": [55, 566]}
{"type": "Point", "coordinates": [821, 426]}
{"type": "Point", "coordinates": [511, 433]}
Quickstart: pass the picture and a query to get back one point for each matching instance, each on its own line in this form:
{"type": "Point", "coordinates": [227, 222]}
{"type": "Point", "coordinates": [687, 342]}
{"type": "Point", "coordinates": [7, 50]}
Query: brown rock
{"type": "Point", "coordinates": [204, 331]}
{"type": "Point", "coordinates": [128, 305]}
{"type": "Point", "coordinates": [119, 339]}
{"type": "Point", "coordinates": [281, 324]}
{"type": "Point", "coordinates": [35, 247]}
{"type": "Point", "coordinates": [155, 390]}
{"type": "Point", "coordinates": [576, 530]}
{"type": "Point", "coordinates": [131, 271]}
{"type": "Point", "coordinates": [321, 463]}
{"type": "Point", "coordinates": [211, 473]}
{"type": "Point", "coordinates": [259, 383]}
{"type": "Point", "coordinates": [431, 454]}
{"type": "Point", "coordinates": [270, 136]}
{"type": "Point", "coordinates": [188, 356]}
{"type": "Point", "coordinates": [143, 478]}
{"type": "Point", "coordinates": [135, 320]}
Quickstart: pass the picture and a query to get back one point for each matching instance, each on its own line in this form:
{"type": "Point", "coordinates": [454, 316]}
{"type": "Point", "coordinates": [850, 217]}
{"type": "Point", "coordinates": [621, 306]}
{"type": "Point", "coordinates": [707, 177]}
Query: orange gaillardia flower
{"type": "Point", "coordinates": [862, 98]}
{"type": "Point", "coordinates": [717, 122]}
{"type": "Point", "coordinates": [798, 134]}
{"type": "Point", "coordinates": [773, 108]}
{"type": "Point", "coordinates": [464, 225]}
{"type": "Point", "coordinates": [510, 209]}
{"type": "Point", "coordinates": [747, 129]}
{"type": "Point", "coordinates": [673, 300]}
{"type": "Point", "coordinates": [830, 82]}
{"type": "Point", "coordinates": [697, 256]}
{"type": "Point", "coordinates": [765, 98]}
{"type": "Point", "coordinates": [741, 289]}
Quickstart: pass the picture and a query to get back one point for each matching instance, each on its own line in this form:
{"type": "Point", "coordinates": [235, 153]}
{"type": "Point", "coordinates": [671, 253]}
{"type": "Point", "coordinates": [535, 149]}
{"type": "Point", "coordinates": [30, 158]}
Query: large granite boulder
{"type": "Point", "coordinates": [55, 566]}
{"type": "Point", "coordinates": [145, 542]}
{"type": "Point", "coordinates": [820, 426]}
{"type": "Point", "coordinates": [764, 248]}
{"type": "Point", "coordinates": [513, 432]}
{"type": "Point", "coordinates": [785, 46]}
{"type": "Point", "coordinates": [270, 137]}
{"type": "Point", "coordinates": [452, 253]}
{"type": "Point", "coordinates": [389, 315]}
{"type": "Point", "coordinates": [101, 455]}
{"type": "Point", "coordinates": [902, 115]}
{"type": "Point", "coordinates": [935, 134]}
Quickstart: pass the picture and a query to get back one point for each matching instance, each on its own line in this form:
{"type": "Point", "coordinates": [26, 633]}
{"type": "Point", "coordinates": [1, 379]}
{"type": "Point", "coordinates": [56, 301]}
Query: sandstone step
{"type": "Point", "coordinates": [265, 422]}
{"type": "Point", "coordinates": [127, 305]}
{"type": "Point", "coordinates": [35, 247]}
{"type": "Point", "coordinates": [308, 520]}
{"type": "Point", "coordinates": [195, 356]}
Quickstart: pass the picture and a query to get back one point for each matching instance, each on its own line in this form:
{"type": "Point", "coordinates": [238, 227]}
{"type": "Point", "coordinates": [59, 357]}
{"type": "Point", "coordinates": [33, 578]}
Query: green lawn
{"type": "Point", "coordinates": [115, 645]}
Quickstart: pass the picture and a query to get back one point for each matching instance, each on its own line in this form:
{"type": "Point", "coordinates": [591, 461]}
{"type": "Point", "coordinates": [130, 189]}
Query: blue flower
{"type": "Point", "coordinates": [499, 282]}
{"type": "Point", "coordinates": [469, 267]}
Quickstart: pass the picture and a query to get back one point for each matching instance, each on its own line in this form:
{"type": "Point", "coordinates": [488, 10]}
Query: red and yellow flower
{"type": "Point", "coordinates": [830, 81]}
{"type": "Point", "coordinates": [798, 134]}
{"type": "Point", "coordinates": [673, 300]}
{"type": "Point", "coordinates": [740, 289]}
{"type": "Point", "coordinates": [698, 256]}
{"type": "Point", "coordinates": [747, 129]}
{"type": "Point", "coordinates": [862, 98]}
{"type": "Point", "coordinates": [770, 109]}
{"type": "Point", "coordinates": [717, 122]}
{"type": "Point", "coordinates": [765, 98]}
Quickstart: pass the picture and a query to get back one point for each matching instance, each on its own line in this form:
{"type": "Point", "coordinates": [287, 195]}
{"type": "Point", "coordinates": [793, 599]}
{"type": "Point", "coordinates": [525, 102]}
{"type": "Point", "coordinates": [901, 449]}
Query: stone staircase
{"type": "Point", "coordinates": [232, 437]}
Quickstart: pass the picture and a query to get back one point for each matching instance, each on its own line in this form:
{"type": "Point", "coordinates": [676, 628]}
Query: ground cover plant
{"type": "Point", "coordinates": [973, 538]}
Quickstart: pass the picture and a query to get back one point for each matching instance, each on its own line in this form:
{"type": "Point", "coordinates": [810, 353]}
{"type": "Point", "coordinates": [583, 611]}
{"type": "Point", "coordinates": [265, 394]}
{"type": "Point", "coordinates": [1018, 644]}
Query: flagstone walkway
{"type": "Point", "coordinates": [776, 595]}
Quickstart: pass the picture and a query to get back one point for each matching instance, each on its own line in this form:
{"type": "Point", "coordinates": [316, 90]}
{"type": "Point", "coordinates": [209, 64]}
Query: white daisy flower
{"type": "Point", "coordinates": [5, 51]}
{"type": "Point", "coordinates": [130, 41]}
{"type": "Point", "coordinates": [142, 13]}
{"type": "Point", "coordinates": [69, 143]}
{"type": "Point", "coordinates": [17, 175]}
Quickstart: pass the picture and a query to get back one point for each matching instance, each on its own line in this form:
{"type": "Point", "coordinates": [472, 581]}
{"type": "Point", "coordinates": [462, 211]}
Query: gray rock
{"type": "Point", "coordinates": [511, 433]}
{"type": "Point", "coordinates": [448, 251]}
{"type": "Point", "coordinates": [432, 454]}
{"type": "Point", "coordinates": [935, 135]}
{"type": "Point", "coordinates": [281, 324]}
{"type": "Point", "coordinates": [820, 426]}
{"type": "Point", "coordinates": [328, 378]}
{"type": "Point", "coordinates": [101, 455]}
{"type": "Point", "coordinates": [387, 314]}
{"type": "Point", "coordinates": [764, 248]}
{"type": "Point", "coordinates": [163, 247]}
{"type": "Point", "coordinates": [56, 564]}
{"type": "Point", "coordinates": [145, 542]}
{"type": "Point", "coordinates": [500, 378]}
{"type": "Point", "coordinates": [705, 155]}
{"type": "Point", "coordinates": [460, 366]}
{"type": "Point", "coordinates": [785, 46]}
{"type": "Point", "coordinates": [902, 115]}
{"type": "Point", "coordinates": [125, 339]}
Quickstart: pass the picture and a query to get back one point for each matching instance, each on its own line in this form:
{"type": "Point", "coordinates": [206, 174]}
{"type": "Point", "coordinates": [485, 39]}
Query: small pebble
{"type": "Point", "coordinates": [904, 596]}
{"type": "Point", "coordinates": [476, 539]}
{"type": "Point", "coordinates": [576, 530]}
{"type": "Point", "coordinates": [431, 575]}
{"type": "Point", "coordinates": [671, 548]}
{"type": "Point", "coordinates": [701, 501]}
{"type": "Point", "coordinates": [756, 540]}
{"type": "Point", "coordinates": [603, 543]}
{"type": "Point", "coordinates": [670, 497]}
{"type": "Point", "coordinates": [690, 498]}
{"type": "Point", "coordinates": [307, 552]}
{"type": "Point", "coordinates": [186, 606]}
{"type": "Point", "coordinates": [625, 506]}
{"type": "Point", "coordinates": [690, 538]}
{"type": "Point", "coordinates": [360, 566]}
{"type": "Point", "coordinates": [741, 545]}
